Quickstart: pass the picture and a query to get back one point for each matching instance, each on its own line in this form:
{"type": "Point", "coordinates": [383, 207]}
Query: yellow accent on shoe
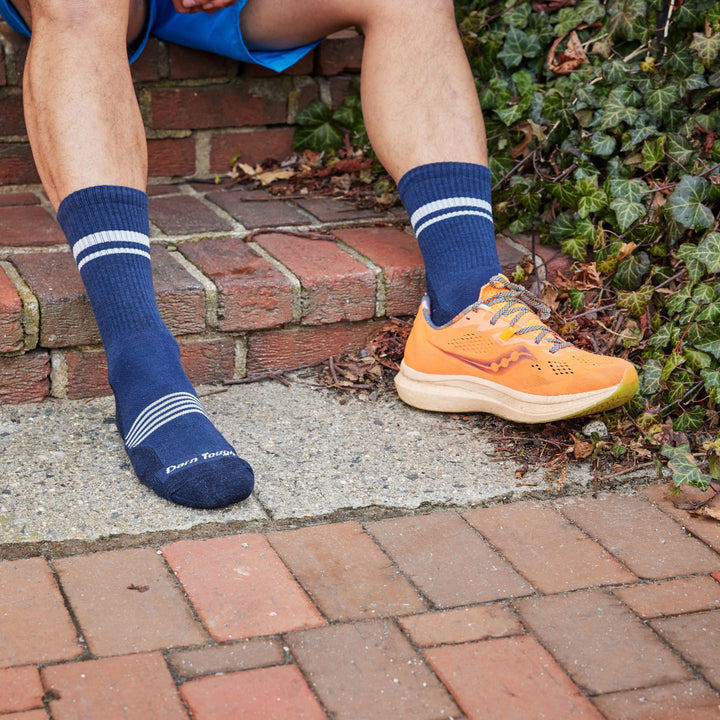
{"type": "Point", "coordinates": [498, 357]}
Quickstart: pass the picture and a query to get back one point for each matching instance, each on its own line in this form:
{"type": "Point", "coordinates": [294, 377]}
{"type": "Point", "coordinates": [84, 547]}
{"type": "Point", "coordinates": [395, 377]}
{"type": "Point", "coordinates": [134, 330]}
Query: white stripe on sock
{"type": "Point", "coordinates": [446, 216]}
{"type": "Point", "coordinates": [457, 202]}
{"type": "Point", "coordinates": [159, 413]}
{"type": "Point", "coordinates": [113, 251]}
{"type": "Point", "coordinates": [110, 236]}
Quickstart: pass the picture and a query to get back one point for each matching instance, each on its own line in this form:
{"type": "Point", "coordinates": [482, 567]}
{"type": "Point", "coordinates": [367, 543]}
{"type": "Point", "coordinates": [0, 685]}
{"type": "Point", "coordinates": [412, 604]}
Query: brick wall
{"type": "Point", "coordinates": [199, 110]}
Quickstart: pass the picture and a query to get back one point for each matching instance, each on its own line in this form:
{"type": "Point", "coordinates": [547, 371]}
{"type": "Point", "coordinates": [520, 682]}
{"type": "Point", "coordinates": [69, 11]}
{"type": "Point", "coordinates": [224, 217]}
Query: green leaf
{"type": "Point", "coordinates": [708, 252]}
{"type": "Point", "coordinates": [602, 144]}
{"type": "Point", "coordinates": [711, 378]}
{"type": "Point", "coordinates": [636, 302]}
{"type": "Point", "coordinates": [687, 252]}
{"type": "Point", "coordinates": [676, 303]}
{"type": "Point", "coordinates": [653, 152]}
{"type": "Point", "coordinates": [674, 360]}
{"type": "Point", "coordinates": [684, 467]}
{"type": "Point", "coordinates": [697, 360]}
{"type": "Point", "coordinates": [706, 337]}
{"type": "Point", "coordinates": [679, 148]}
{"type": "Point", "coordinates": [632, 271]}
{"type": "Point", "coordinates": [659, 100]}
{"type": "Point", "coordinates": [706, 48]}
{"type": "Point", "coordinates": [590, 197]}
{"type": "Point", "coordinates": [518, 45]}
{"type": "Point", "coordinates": [317, 129]}
{"type": "Point", "coordinates": [617, 109]}
{"type": "Point", "coordinates": [690, 420]}
{"type": "Point", "coordinates": [624, 18]}
{"type": "Point", "coordinates": [567, 19]}
{"type": "Point", "coordinates": [685, 204]}
{"type": "Point", "coordinates": [626, 213]}
{"type": "Point", "coordinates": [650, 382]}
{"type": "Point", "coordinates": [575, 247]}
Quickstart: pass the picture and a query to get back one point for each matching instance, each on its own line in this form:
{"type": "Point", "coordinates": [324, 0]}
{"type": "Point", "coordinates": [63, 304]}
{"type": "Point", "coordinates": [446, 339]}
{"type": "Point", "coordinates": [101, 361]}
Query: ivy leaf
{"type": "Point", "coordinates": [653, 152]}
{"type": "Point", "coordinates": [632, 271]}
{"type": "Point", "coordinates": [575, 247]}
{"type": "Point", "coordinates": [617, 109]}
{"type": "Point", "coordinates": [317, 129]}
{"type": "Point", "coordinates": [590, 197]}
{"type": "Point", "coordinates": [687, 252]}
{"type": "Point", "coordinates": [708, 252]}
{"type": "Point", "coordinates": [518, 44]}
{"type": "Point", "coordinates": [659, 100]}
{"type": "Point", "coordinates": [643, 128]}
{"type": "Point", "coordinates": [685, 203]}
{"type": "Point", "coordinates": [706, 48]}
{"type": "Point", "coordinates": [636, 302]}
{"type": "Point", "coordinates": [690, 420]}
{"type": "Point", "coordinates": [692, 82]}
{"type": "Point", "coordinates": [626, 213]}
{"type": "Point", "coordinates": [711, 378]}
{"type": "Point", "coordinates": [624, 16]}
{"type": "Point", "coordinates": [706, 337]}
{"type": "Point", "coordinates": [674, 360]}
{"type": "Point", "coordinates": [650, 382]}
{"type": "Point", "coordinates": [631, 191]}
{"type": "Point", "coordinates": [676, 303]}
{"type": "Point", "coordinates": [684, 467]}
{"type": "Point", "coordinates": [679, 148]}
{"type": "Point", "coordinates": [602, 144]}
{"type": "Point", "coordinates": [697, 360]}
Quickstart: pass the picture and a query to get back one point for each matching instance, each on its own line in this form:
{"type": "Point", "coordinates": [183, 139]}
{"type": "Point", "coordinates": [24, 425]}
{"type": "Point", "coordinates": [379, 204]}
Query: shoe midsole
{"type": "Point", "coordinates": [463, 393]}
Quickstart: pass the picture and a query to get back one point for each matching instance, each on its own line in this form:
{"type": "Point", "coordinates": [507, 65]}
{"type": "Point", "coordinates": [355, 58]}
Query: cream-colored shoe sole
{"type": "Point", "coordinates": [464, 393]}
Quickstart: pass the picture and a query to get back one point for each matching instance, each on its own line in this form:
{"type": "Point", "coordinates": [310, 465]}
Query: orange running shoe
{"type": "Point", "coordinates": [498, 357]}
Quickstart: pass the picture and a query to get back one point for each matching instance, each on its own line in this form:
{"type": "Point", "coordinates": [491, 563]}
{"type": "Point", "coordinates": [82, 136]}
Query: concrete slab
{"type": "Point", "coordinates": [65, 474]}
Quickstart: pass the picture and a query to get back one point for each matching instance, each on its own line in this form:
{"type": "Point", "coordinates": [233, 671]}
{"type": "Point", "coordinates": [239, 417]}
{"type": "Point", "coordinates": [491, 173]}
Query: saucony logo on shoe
{"type": "Point", "coordinates": [495, 365]}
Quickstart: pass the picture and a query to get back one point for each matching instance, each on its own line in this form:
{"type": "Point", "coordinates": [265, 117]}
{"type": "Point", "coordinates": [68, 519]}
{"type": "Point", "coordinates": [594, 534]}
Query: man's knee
{"type": "Point", "coordinates": [80, 16]}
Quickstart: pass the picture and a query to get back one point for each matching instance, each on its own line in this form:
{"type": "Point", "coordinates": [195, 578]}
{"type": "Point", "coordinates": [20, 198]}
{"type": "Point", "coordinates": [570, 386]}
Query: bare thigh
{"type": "Point", "coordinates": [136, 22]}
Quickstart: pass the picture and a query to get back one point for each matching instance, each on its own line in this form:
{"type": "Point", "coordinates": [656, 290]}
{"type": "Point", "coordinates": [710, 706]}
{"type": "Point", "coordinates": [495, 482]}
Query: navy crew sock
{"type": "Point", "coordinates": [450, 211]}
{"type": "Point", "coordinates": [174, 448]}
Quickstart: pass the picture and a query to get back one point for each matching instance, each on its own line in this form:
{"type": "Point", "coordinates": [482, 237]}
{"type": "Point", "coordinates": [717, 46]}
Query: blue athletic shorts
{"type": "Point", "coordinates": [218, 32]}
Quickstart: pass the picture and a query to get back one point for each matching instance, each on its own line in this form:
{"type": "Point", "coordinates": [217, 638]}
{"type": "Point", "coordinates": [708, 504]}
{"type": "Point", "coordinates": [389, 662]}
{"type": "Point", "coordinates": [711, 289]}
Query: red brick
{"type": "Point", "coordinates": [185, 215]}
{"type": "Point", "coordinates": [134, 686]}
{"type": "Point", "coordinates": [19, 198]}
{"type": "Point", "coordinates": [145, 68]}
{"type": "Point", "coordinates": [345, 573]}
{"type": "Point", "coordinates": [433, 551]}
{"type": "Point", "coordinates": [25, 378]}
{"type": "Point", "coordinates": [245, 567]}
{"type": "Point", "coordinates": [340, 87]}
{"type": "Point", "coordinates": [638, 534]}
{"type": "Point", "coordinates": [510, 678]}
{"type": "Point", "coordinates": [171, 157]}
{"type": "Point", "coordinates": [3, 77]}
{"type": "Point", "coordinates": [276, 693]}
{"type": "Point", "coordinates": [546, 549]}
{"type": "Point", "coordinates": [398, 254]}
{"type": "Point", "coordinates": [600, 643]}
{"type": "Point", "coordinates": [340, 52]}
{"type": "Point", "coordinates": [707, 529]}
{"type": "Point", "coordinates": [28, 715]}
{"type": "Point", "coordinates": [11, 316]}
{"type": "Point", "coordinates": [368, 670]}
{"type": "Point", "coordinates": [260, 214]}
{"type": "Point", "coordinates": [17, 166]}
{"type": "Point", "coordinates": [189, 64]}
{"type": "Point", "coordinates": [20, 689]}
{"type": "Point", "coordinates": [205, 360]}
{"type": "Point", "coordinates": [673, 597]}
{"type": "Point", "coordinates": [229, 105]}
{"type": "Point", "coordinates": [331, 209]}
{"type": "Point", "coordinates": [30, 226]}
{"type": "Point", "coordinates": [697, 638]}
{"type": "Point", "coordinates": [18, 45]}
{"type": "Point", "coordinates": [290, 348]}
{"type": "Point", "coordinates": [336, 287]}
{"type": "Point", "coordinates": [253, 147]}
{"type": "Point", "coordinates": [11, 115]}
{"type": "Point", "coordinates": [255, 653]}
{"type": "Point", "coordinates": [180, 297]}
{"type": "Point", "coordinates": [461, 625]}
{"type": "Point", "coordinates": [691, 700]}
{"type": "Point", "coordinates": [118, 620]}
{"type": "Point", "coordinates": [65, 314]}
{"type": "Point", "coordinates": [252, 292]}
{"type": "Point", "coordinates": [34, 625]}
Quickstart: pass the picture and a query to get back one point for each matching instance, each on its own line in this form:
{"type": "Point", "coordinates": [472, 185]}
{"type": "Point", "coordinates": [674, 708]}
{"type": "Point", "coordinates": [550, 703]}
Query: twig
{"type": "Point", "coordinates": [271, 375]}
{"type": "Point", "coordinates": [626, 471]}
{"type": "Point", "coordinates": [214, 392]}
{"type": "Point", "coordinates": [331, 364]}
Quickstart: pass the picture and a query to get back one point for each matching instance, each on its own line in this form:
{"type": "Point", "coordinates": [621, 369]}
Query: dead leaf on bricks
{"type": "Point", "coordinates": [359, 371]}
{"type": "Point", "coordinates": [387, 346]}
{"type": "Point", "coordinates": [708, 512]}
{"type": "Point", "coordinates": [569, 59]}
{"type": "Point", "coordinates": [581, 449]}
{"type": "Point", "coordinates": [585, 277]}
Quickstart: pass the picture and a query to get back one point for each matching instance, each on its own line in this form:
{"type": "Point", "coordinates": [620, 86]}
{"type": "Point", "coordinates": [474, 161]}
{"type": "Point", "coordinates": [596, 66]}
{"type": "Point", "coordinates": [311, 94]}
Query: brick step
{"type": "Point", "coordinates": [247, 282]}
{"type": "Point", "coordinates": [200, 110]}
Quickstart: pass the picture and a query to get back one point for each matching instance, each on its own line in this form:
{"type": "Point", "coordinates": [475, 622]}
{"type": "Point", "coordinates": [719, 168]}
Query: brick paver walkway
{"type": "Point", "coordinates": [587, 607]}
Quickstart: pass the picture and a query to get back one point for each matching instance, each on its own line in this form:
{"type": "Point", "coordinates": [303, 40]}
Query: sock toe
{"type": "Point", "coordinates": [214, 485]}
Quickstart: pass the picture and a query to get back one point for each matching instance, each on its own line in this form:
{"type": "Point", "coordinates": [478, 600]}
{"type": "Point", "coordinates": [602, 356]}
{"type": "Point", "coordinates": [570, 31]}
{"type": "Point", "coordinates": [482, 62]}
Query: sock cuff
{"type": "Point", "coordinates": [103, 208]}
{"type": "Point", "coordinates": [442, 181]}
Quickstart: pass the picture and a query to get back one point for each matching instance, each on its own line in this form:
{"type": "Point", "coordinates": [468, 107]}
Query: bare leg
{"type": "Point", "coordinates": [419, 97]}
{"type": "Point", "coordinates": [82, 116]}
